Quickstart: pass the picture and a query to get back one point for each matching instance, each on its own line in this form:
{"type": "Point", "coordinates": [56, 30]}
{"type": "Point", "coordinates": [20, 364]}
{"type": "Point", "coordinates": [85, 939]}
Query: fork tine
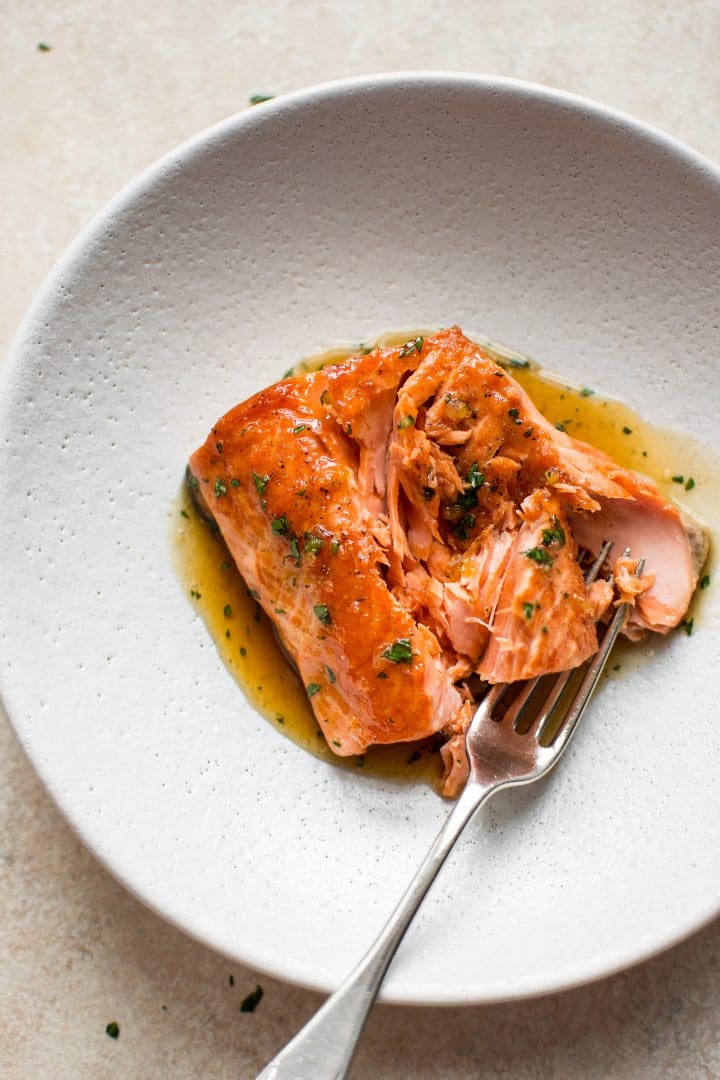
{"type": "Point", "coordinates": [516, 709]}
{"type": "Point", "coordinates": [590, 678]}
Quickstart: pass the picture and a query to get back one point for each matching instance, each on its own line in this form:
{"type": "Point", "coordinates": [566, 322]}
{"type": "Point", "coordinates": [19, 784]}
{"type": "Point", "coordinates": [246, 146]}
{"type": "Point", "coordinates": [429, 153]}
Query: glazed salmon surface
{"type": "Point", "coordinates": [408, 518]}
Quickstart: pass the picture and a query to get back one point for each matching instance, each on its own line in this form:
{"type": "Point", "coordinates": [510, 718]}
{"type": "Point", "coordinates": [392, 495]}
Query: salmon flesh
{"type": "Point", "coordinates": [408, 518]}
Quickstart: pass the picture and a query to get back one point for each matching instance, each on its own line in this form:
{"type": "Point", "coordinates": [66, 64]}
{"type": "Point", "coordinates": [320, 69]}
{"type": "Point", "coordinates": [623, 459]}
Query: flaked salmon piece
{"type": "Point", "coordinates": [630, 585]}
{"type": "Point", "coordinates": [408, 517]}
{"type": "Point", "coordinates": [280, 480]}
{"type": "Point", "coordinates": [544, 619]}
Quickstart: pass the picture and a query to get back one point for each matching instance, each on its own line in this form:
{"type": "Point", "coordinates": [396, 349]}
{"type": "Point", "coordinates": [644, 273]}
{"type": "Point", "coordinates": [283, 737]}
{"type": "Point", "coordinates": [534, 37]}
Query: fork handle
{"type": "Point", "coordinates": [324, 1048]}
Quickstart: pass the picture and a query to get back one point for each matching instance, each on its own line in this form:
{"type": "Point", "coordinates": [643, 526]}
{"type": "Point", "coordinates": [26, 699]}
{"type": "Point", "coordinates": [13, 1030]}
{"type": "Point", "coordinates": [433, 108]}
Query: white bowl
{"type": "Point", "coordinates": [565, 229]}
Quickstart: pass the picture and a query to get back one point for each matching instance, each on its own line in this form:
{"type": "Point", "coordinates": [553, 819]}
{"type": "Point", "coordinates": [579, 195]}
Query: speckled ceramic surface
{"type": "Point", "coordinates": [566, 230]}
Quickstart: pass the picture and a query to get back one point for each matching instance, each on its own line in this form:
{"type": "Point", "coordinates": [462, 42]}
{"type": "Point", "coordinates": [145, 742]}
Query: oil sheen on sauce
{"type": "Point", "coordinates": [244, 636]}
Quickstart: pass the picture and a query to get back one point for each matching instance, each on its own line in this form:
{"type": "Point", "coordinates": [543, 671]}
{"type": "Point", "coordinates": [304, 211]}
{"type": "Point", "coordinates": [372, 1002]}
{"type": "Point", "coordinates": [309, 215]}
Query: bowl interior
{"type": "Point", "coordinates": [574, 234]}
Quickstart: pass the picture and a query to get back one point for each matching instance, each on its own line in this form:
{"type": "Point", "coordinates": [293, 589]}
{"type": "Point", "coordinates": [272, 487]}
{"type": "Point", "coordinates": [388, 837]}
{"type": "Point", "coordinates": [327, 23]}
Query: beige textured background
{"type": "Point", "coordinates": [121, 84]}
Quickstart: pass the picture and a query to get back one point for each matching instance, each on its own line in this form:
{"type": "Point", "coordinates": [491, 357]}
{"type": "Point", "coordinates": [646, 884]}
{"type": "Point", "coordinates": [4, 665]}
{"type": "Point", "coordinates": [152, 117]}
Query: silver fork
{"type": "Point", "coordinates": [499, 758]}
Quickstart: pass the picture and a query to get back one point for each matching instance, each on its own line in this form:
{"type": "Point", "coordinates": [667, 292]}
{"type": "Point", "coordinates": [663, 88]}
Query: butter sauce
{"type": "Point", "coordinates": [244, 635]}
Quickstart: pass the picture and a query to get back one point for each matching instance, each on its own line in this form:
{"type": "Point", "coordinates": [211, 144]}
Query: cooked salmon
{"type": "Point", "coordinates": [408, 518]}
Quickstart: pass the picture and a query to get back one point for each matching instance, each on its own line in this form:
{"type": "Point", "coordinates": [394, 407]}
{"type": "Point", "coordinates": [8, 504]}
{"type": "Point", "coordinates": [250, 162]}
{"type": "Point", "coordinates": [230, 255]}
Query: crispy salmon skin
{"type": "Point", "coordinates": [408, 518]}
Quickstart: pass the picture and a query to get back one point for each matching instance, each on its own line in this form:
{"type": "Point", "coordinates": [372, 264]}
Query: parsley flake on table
{"type": "Point", "coordinates": [113, 1029]}
{"type": "Point", "coordinates": [251, 1002]}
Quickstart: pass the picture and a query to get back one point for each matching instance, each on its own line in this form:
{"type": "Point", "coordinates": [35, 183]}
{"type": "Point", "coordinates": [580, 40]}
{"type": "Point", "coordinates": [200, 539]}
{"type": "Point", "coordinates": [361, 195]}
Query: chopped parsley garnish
{"type": "Point", "coordinates": [251, 1002]}
{"type": "Point", "coordinates": [279, 611]}
{"type": "Point", "coordinates": [335, 547]}
{"type": "Point", "coordinates": [42, 46]}
{"type": "Point", "coordinates": [192, 481]}
{"type": "Point", "coordinates": [514, 413]}
{"type": "Point", "coordinates": [294, 549]}
{"type": "Point", "coordinates": [257, 99]}
{"type": "Point", "coordinates": [225, 566]}
{"type": "Point", "coordinates": [540, 556]}
{"type": "Point", "coordinates": [113, 1029]}
{"type": "Point", "coordinates": [195, 594]}
{"type": "Point", "coordinates": [463, 526]}
{"type": "Point", "coordinates": [218, 447]}
{"type": "Point", "coordinates": [457, 408]}
{"type": "Point", "coordinates": [260, 482]}
{"type": "Point", "coordinates": [299, 428]}
{"type": "Point", "coordinates": [255, 594]}
{"type": "Point", "coordinates": [559, 427]}
{"type": "Point", "coordinates": [280, 525]}
{"type": "Point", "coordinates": [279, 718]}
{"type": "Point", "coordinates": [467, 500]}
{"type": "Point", "coordinates": [689, 484]}
{"type": "Point", "coordinates": [313, 544]}
{"type": "Point", "coordinates": [678, 479]}
{"type": "Point", "coordinates": [220, 488]}
{"type": "Point", "coordinates": [330, 674]}
{"type": "Point", "coordinates": [400, 652]}
{"type": "Point", "coordinates": [381, 675]}
{"type": "Point", "coordinates": [705, 581]}
{"type": "Point", "coordinates": [528, 609]}
{"type": "Point", "coordinates": [243, 650]}
{"type": "Point", "coordinates": [514, 362]}
{"type": "Point", "coordinates": [336, 742]}
{"type": "Point", "coordinates": [687, 625]}
{"type": "Point", "coordinates": [405, 422]}
{"type": "Point", "coordinates": [322, 612]}
{"type": "Point", "coordinates": [544, 630]}
{"type": "Point", "coordinates": [412, 346]}
{"type": "Point", "coordinates": [475, 479]}
{"type": "Point", "coordinates": [554, 537]}
{"type": "Point", "coordinates": [227, 611]}
{"type": "Point", "coordinates": [627, 430]}
{"type": "Point", "coordinates": [313, 688]}
{"type": "Point", "coordinates": [428, 493]}
{"type": "Point", "coordinates": [528, 433]}
{"type": "Point", "coordinates": [227, 634]}
{"type": "Point", "coordinates": [184, 513]}
{"type": "Point", "coordinates": [234, 482]}
{"type": "Point", "coordinates": [586, 392]}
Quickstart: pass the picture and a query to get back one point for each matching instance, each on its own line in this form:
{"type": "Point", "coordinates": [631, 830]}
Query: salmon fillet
{"type": "Point", "coordinates": [407, 518]}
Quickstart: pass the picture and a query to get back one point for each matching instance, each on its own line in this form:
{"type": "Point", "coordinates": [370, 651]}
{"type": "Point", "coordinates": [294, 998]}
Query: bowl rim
{"type": "Point", "coordinates": [181, 155]}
